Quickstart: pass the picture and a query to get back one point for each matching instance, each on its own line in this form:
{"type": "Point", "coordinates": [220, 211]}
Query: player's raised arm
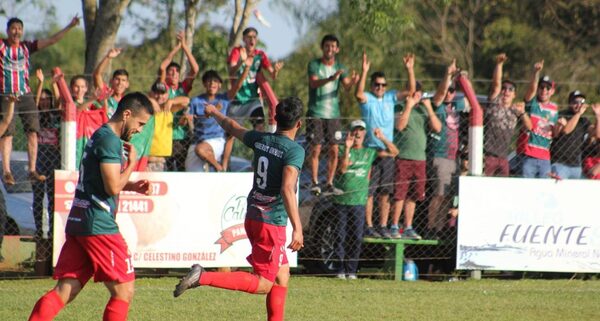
{"type": "Point", "coordinates": [288, 193]}
{"type": "Point", "coordinates": [228, 124]}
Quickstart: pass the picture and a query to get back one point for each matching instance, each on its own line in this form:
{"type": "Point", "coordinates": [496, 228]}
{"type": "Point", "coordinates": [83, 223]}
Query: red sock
{"type": "Point", "coordinates": [276, 303]}
{"type": "Point", "coordinates": [238, 281]}
{"type": "Point", "coordinates": [116, 310]}
{"type": "Point", "coordinates": [47, 307]}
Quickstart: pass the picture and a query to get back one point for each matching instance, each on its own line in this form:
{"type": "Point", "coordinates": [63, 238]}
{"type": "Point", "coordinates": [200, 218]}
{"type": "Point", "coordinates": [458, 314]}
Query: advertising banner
{"type": "Point", "coordinates": [188, 218]}
{"type": "Point", "coordinates": [517, 224]}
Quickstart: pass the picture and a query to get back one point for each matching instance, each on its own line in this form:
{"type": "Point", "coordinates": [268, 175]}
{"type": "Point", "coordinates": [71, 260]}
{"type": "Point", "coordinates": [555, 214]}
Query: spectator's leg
{"type": "Point", "coordinates": [340, 236]}
{"type": "Point", "coordinates": [529, 167]}
{"type": "Point", "coordinates": [227, 152]}
{"type": "Point", "coordinates": [409, 212]}
{"type": "Point", "coordinates": [32, 147]}
{"type": "Point", "coordinates": [315, 151]}
{"type": "Point", "coordinates": [398, 207]}
{"type": "Point", "coordinates": [206, 153]}
{"type": "Point", "coordinates": [435, 206]}
{"type": "Point", "coordinates": [3, 221]}
{"type": "Point", "coordinates": [332, 160]}
{"type": "Point", "coordinates": [38, 206]}
{"type": "Point", "coordinates": [6, 143]}
{"type": "Point", "coordinates": [504, 167]}
{"type": "Point", "coordinates": [384, 209]}
{"type": "Point", "coordinates": [369, 211]}
{"type": "Point", "coordinates": [356, 223]}
{"type": "Point", "coordinates": [544, 168]}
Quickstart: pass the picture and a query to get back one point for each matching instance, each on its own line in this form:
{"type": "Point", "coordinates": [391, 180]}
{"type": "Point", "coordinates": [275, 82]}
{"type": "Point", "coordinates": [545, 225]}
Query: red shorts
{"type": "Point", "coordinates": [268, 248]}
{"type": "Point", "coordinates": [106, 257]}
{"type": "Point", "coordinates": [410, 174]}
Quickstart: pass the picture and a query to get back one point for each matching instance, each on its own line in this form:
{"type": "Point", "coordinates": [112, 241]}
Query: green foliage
{"type": "Point", "coordinates": [311, 298]}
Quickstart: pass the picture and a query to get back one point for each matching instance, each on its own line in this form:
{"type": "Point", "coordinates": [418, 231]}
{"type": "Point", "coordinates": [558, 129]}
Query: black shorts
{"type": "Point", "coordinates": [382, 176]}
{"type": "Point", "coordinates": [323, 131]}
{"type": "Point", "coordinates": [27, 110]}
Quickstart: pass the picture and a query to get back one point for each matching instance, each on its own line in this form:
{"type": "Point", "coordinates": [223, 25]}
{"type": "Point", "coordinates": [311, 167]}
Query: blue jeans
{"type": "Point", "coordinates": [348, 234]}
{"type": "Point", "coordinates": [566, 171]}
{"type": "Point", "coordinates": [535, 168]}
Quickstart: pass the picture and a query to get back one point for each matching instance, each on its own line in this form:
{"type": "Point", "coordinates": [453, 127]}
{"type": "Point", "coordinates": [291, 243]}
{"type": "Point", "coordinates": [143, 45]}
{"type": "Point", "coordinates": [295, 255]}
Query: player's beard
{"type": "Point", "coordinates": [126, 133]}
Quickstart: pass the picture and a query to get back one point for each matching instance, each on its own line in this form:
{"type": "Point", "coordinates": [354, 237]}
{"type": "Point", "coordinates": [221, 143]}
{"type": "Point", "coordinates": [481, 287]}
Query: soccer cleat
{"type": "Point", "coordinates": [189, 281]}
{"type": "Point", "coordinates": [8, 179]}
{"type": "Point", "coordinates": [411, 234]}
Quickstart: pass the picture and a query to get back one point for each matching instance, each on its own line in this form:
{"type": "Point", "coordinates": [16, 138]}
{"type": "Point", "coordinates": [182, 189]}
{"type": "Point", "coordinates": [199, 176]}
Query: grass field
{"type": "Point", "coordinates": [312, 298]}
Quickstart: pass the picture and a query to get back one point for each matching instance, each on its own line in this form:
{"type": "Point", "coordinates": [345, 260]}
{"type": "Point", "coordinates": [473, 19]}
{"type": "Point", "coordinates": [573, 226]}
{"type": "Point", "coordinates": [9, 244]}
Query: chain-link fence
{"type": "Point", "coordinates": [431, 183]}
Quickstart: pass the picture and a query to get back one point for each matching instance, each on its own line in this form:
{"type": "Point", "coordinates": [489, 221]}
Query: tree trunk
{"type": "Point", "coordinates": [101, 27]}
{"type": "Point", "coordinates": [240, 20]}
{"type": "Point", "coordinates": [191, 11]}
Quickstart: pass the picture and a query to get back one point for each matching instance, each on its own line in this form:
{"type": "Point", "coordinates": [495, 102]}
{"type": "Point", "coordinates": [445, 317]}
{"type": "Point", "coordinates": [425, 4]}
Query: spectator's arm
{"type": "Point", "coordinates": [442, 89]}
{"type": "Point", "coordinates": [97, 75]}
{"type": "Point", "coordinates": [178, 103]}
{"type": "Point", "coordinates": [572, 123]}
{"type": "Point", "coordinates": [235, 62]}
{"type": "Point", "coordinates": [533, 82]}
{"type": "Point", "coordinates": [348, 82]}
{"type": "Point", "coordinates": [290, 203]}
{"type": "Point", "coordinates": [359, 93]}
{"type": "Point", "coordinates": [39, 74]}
{"type": "Point", "coordinates": [274, 70]}
{"type": "Point", "coordinates": [409, 64]}
{"type": "Point", "coordinates": [5, 122]}
{"type": "Point", "coordinates": [315, 82]}
{"type": "Point", "coordinates": [162, 69]}
{"type": "Point", "coordinates": [57, 95]}
{"type": "Point", "coordinates": [596, 109]}
{"type": "Point", "coordinates": [497, 77]}
{"type": "Point", "coordinates": [523, 115]}
{"type": "Point", "coordinates": [43, 43]}
{"type": "Point", "coordinates": [434, 122]}
{"type": "Point", "coordinates": [344, 161]}
{"type": "Point", "coordinates": [402, 121]}
{"type": "Point", "coordinates": [391, 149]}
{"type": "Point", "coordinates": [237, 83]}
{"type": "Point", "coordinates": [228, 124]}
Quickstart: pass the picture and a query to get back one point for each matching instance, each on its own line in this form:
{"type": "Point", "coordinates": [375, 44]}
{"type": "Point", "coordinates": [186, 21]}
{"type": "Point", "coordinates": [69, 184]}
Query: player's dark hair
{"type": "Point", "coordinates": [249, 30]}
{"type": "Point", "coordinates": [174, 65]}
{"type": "Point", "coordinates": [120, 72]}
{"type": "Point", "coordinates": [330, 37]}
{"type": "Point", "coordinates": [13, 20]}
{"type": "Point", "coordinates": [136, 102]}
{"type": "Point", "coordinates": [210, 75]}
{"type": "Point", "coordinates": [288, 112]}
{"type": "Point", "coordinates": [377, 74]}
{"type": "Point", "coordinates": [77, 77]}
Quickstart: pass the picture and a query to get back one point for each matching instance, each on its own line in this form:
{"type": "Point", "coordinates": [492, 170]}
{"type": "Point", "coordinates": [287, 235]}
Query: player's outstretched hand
{"type": "Point", "coordinates": [297, 242]}
{"type": "Point", "coordinates": [142, 186]}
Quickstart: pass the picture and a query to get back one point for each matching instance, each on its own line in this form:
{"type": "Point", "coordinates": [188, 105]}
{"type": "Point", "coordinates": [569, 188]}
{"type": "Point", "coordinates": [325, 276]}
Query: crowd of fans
{"type": "Point", "coordinates": [407, 141]}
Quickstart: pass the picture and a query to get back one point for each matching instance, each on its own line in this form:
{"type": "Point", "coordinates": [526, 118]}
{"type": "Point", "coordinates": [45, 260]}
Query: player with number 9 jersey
{"type": "Point", "coordinates": [272, 152]}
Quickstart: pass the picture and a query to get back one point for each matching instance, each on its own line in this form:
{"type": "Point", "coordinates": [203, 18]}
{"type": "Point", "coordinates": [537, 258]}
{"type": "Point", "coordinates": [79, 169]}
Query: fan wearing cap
{"type": "Point", "coordinates": [162, 139]}
{"type": "Point", "coordinates": [567, 148]}
{"type": "Point", "coordinates": [377, 110]}
{"type": "Point", "coordinates": [445, 144]}
{"type": "Point", "coordinates": [501, 118]}
{"type": "Point", "coordinates": [539, 128]}
{"type": "Point", "coordinates": [352, 176]}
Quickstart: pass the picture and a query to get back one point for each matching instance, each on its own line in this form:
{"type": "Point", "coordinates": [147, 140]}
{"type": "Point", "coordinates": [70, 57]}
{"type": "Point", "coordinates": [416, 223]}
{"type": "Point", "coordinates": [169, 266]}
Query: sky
{"type": "Point", "coordinates": [280, 39]}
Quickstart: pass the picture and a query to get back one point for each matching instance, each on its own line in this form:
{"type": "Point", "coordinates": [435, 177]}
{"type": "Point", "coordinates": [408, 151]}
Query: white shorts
{"type": "Point", "coordinates": [193, 163]}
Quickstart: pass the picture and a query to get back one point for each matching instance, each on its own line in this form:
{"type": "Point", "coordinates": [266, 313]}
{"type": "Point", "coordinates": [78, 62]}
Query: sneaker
{"type": "Point", "coordinates": [352, 276]}
{"type": "Point", "coordinates": [189, 281]}
{"type": "Point", "coordinates": [315, 189]}
{"type": "Point", "coordinates": [341, 276]}
{"type": "Point", "coordinates": [395, 232]}
{"type": "Point", "coordinates": [411, 234]}
{"type": "Point", "coordinates": [371, 232]}
{"type": "Point", "coordinates": [34, 176]}
{"type": "Point", "coordinates": [332, 190]}
{"type": "Point", "coordinates": [8, 179]}
{"type": "Point", "coordinates": [384, 232]}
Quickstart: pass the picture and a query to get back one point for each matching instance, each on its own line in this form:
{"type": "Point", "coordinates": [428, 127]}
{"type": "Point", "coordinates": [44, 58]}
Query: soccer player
{"type": "Point", "coordinates": [14, 68]}
{"type": "Point", "coordinates": [94, 246]}
{"type": "Point", "coordinates": [277, 164]}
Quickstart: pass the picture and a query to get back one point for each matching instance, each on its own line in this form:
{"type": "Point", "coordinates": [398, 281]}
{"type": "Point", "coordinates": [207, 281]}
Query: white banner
{"type": "Point", "coordinates": [517, 224]}
{"type": "Point", "coordinates": [188, 218]}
